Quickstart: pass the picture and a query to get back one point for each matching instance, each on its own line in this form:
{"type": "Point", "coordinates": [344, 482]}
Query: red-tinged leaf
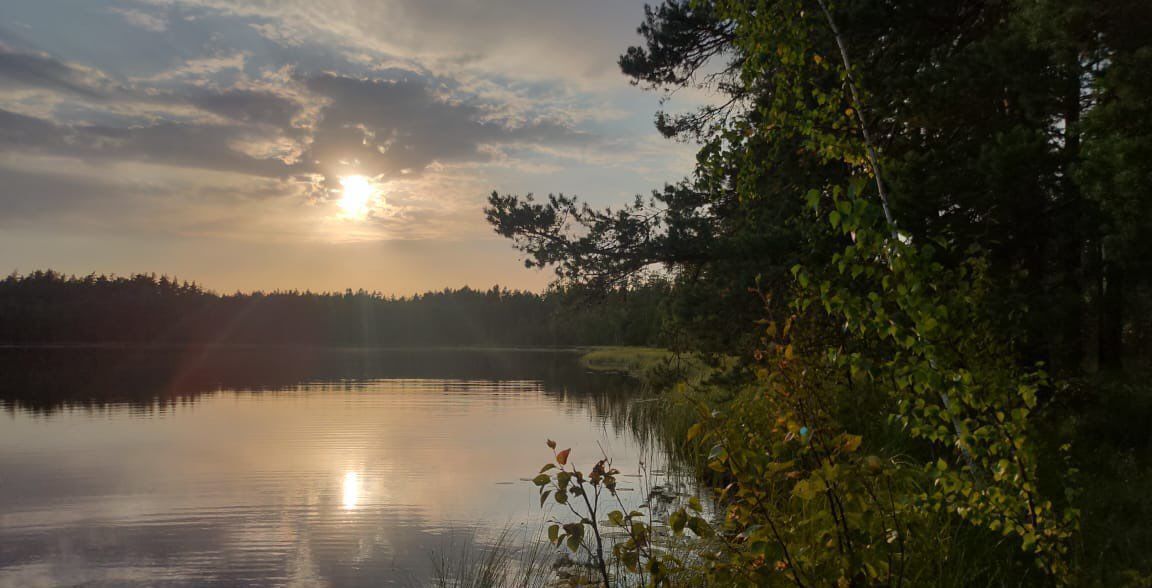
{"type": "Point", "coordinates": [562, 457]}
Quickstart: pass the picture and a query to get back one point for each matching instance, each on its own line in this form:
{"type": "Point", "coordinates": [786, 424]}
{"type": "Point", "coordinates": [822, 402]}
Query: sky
{"type": "Point", "coordinates": [311, 144]}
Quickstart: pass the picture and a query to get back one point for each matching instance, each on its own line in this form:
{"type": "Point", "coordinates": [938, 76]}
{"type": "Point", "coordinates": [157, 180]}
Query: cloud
{"type": "Point", "coordinates": [200, 69]}
{"type": "Point", "coordinates": [524, 39]}
{"type": "Point", "coordinates": [438, 102]}
{"type": "Point", "coordinates": [404, 125]}
{"type": "Point", "coordinates": [298, 132]}
{"type": "Point", "coordinates": [141, 19]}
{"type": "Point", "coordinates": [40, 71]}
{"type": "Point", "coordinates": [187, 145]}
{"type": "Point", "coordinates": [247, 106]}
{"type": "Point", "coordinates": [392, 125]}
{"type": "Point", "coordinates": [61, 192]}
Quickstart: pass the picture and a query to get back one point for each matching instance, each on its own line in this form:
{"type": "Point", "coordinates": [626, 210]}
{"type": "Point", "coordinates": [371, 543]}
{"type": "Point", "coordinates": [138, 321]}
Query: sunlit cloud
{"type": "Point", "coordinates": [144, 20]}
{"type": "Point", "coordinates": [198, 69]}
{"type": "Point", "coordinates": [245, 121]}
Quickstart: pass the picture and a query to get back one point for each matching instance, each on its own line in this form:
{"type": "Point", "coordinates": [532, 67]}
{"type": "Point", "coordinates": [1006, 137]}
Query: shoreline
{"type": "Point", "coordinates": [292, 346]}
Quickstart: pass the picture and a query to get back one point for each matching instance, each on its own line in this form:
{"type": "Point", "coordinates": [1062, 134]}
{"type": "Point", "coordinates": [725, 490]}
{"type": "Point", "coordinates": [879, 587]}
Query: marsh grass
{"type": "Point", "coordinates": [631, 360]}
{"type": "Point", "coordinates": [667, 387]}
{"type": "Point", "coordinates": [513, 559]}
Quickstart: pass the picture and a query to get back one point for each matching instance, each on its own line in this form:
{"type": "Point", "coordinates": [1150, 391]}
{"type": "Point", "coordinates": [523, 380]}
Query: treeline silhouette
{"type": "Point", "coordinates": [48, 378]}
{"type": "Point", "coordinates": [48, 307]}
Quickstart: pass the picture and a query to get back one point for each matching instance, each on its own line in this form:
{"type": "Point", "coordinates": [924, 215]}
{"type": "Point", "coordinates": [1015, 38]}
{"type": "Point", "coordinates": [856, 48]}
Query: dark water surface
{"type": "Point", "coordinates": [279, 467]}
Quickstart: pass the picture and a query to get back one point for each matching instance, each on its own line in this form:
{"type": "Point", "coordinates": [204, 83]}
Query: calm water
{"type": "Point", "coordinates": [289, 467]}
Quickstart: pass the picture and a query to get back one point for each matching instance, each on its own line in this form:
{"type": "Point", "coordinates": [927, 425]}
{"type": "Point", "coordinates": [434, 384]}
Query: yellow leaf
{"type": "Point", "coordinates": [852, 443]}
{"type": "Point", "coordinates": [694, 431]}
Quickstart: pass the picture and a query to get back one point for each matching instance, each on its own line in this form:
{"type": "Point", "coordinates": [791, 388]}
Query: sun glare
{"type": "Point", "coordinates": [351, 490]}
{"type": "Point", "coordinates": [356, 198]}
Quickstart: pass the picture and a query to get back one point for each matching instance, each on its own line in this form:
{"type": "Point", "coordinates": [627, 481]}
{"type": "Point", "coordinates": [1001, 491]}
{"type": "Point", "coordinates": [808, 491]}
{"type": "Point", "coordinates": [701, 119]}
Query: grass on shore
{"type": "Point", "coordinates": [644, 363]}
{"type": "Point", "coordinates": [511, 560]}
{"type": "Point", "coordinates": [631, 360]}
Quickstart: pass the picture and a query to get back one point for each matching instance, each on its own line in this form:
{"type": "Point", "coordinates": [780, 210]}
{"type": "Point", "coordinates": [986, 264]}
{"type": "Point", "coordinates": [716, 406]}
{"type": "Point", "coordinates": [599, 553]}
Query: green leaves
{"type": "Point", "coordinates": [717, 457]}
{"type": "Point", "coordinates": [694, 504]}
{"type": "Point", "coordinates": [576, 528]}
{"type": "Point", "coordinates": [808, 489]}
{"type": "Point", "coordinates": [637, 552]}
{"type": "Point", "coordinates": [617, 518]}
{"type": "Point", "coordinates": [812, 198]}
{"type": "Point", "coordinates": [680, 519]}
{"type": "Point", "coordinates": [572, 536]}
{"type": "Point", "coordinates": [677, 521]}
{"type": "Point", "coordinates": [701, 527]}
{"type": "Point", "coordinates": [911, 329]}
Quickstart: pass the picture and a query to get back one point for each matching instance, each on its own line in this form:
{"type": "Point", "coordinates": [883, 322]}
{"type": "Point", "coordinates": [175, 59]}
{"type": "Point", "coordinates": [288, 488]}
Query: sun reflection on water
{"type": "Point", "coordinates": [351, 490]}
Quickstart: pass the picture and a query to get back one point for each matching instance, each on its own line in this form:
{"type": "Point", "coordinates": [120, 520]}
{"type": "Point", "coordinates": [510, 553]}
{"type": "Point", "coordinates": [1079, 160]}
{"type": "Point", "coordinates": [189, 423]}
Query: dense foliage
{"type": "Point", "coordinates": [1016, 127]}
{"type": "Point", "coordinates": [923, 224]}
{"type": "Point", "coordinates": [48, 307]}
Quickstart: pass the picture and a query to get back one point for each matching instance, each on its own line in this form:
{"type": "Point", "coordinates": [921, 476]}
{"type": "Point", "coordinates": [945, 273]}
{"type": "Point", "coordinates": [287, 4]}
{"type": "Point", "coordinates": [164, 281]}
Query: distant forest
{"type": "Point", "coordinates": [47, 307]}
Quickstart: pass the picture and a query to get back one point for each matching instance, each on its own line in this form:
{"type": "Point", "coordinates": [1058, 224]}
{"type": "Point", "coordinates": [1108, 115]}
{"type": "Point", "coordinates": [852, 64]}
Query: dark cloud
{"type": "Point", "coordinates": [40, 71]}
{"type": "Point", "coordinates": [405, 124]}
{"type": "Point", "coordinates": [18, 131]}
{"type": "Point", "coordinates": [179, 144]}
{"type": "Point", "coordinates": [186, 145]}
{"type": "Point", "coordinates": [373, 126]}
{"type": "Point", "coordinates": [260, 107]}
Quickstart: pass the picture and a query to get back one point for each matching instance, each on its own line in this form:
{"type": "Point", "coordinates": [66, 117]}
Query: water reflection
{"type": "Point", "coordinates": [49, 379]}
{"type": "Point", "coordinates": [351, 490]}
{"type": "Point", "coordinates": [250, 467]}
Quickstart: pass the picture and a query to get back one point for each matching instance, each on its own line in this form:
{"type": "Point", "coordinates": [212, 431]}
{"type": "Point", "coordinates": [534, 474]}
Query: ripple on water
{"type": "Point", "coordinates": [344, 482]}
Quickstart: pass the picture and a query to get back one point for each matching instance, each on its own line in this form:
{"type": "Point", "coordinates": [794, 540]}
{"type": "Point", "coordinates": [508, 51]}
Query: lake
{"type": "Point", "coordinates": [282, 466]}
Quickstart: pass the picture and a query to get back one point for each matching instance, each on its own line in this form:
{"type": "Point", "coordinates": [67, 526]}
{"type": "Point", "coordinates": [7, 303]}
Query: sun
{"type": "Point", "coordinates": [356, 198]}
